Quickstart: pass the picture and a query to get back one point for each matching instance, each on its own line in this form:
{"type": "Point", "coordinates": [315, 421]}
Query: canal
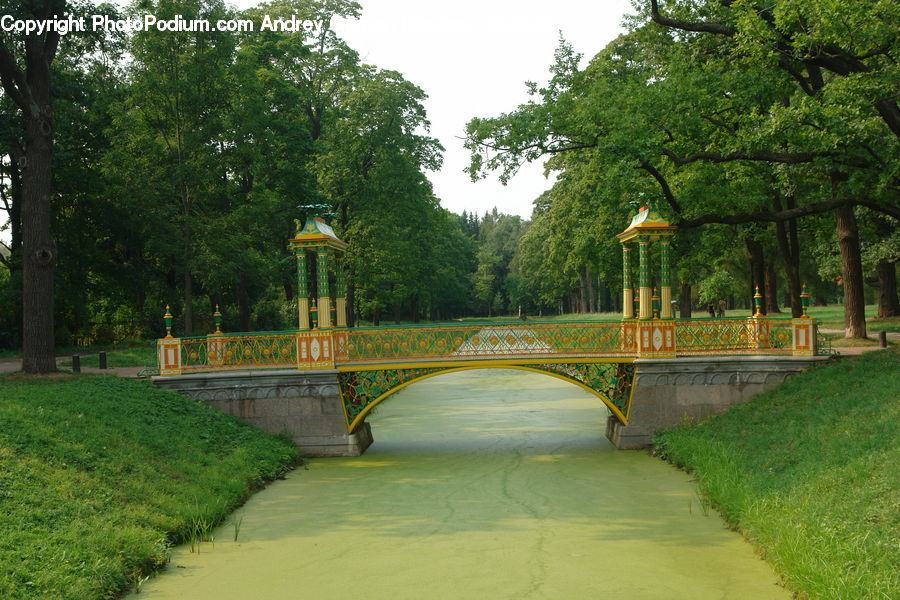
{"type": "Point", "coordinates": [480, 484]}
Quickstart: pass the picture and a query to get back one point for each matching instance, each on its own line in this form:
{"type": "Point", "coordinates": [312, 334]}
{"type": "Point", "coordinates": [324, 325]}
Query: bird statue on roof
{"type": "Point", "coordinates": [319, 210]}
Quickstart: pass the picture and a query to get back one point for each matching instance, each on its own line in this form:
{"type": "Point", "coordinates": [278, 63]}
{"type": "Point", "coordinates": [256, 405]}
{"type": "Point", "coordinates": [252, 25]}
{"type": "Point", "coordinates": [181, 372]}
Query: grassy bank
{"type": "Point", "coordinates": [100, 475]}
{"type": "Point", "coordinates": [810, 472]}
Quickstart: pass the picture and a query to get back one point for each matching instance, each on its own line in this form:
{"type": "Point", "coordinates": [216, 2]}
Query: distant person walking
{"type": "Point", "coordinates": [711, 310]}
{"type": "Point", "coordinates": [721, 311]}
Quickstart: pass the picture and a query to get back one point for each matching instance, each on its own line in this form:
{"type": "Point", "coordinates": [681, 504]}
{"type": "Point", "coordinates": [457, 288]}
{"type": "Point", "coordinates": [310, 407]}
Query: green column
{"type": "Point", "coordinates": [627, 290]}
{"type": "Point", "coordinates": [323, 267]}
{"type": "Point", "coordinates": [340, 293]}
{"type": "Point", "coordinates": [302, 276]}
{"type": "Point", "coordinates": [302, 290]}
{"type": "Point", "coordinates": [644, 279]}
{"type": "Point", "coordinates": [665, 283]}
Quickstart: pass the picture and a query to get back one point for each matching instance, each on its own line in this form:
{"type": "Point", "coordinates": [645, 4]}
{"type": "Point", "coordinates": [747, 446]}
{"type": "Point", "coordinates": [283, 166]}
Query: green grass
{"type": "Point", "coordinates": [832, 317]}
{"type": "Point", "coordinates": [810, 472]}
{"type": "Point", "coordinates": [839, 341]}
{"type": "Point", "coordinates": [100, 475]}
{"type": "Point", "coordinates": [147, 347]}
{"type": "Point", "coordinates": [137, 356]}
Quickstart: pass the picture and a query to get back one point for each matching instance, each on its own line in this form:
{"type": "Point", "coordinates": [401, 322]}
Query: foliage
{"type": "Point", "coordinates": [736, 131]}
{"type": "Point", "coordinates": [808, 471]}
{"type": "Point", "coordinates": [719, 285]}
{"type": "Point", "coordinates": [102, 474]}
{"type": "Point", "coordinates": [181, 160]}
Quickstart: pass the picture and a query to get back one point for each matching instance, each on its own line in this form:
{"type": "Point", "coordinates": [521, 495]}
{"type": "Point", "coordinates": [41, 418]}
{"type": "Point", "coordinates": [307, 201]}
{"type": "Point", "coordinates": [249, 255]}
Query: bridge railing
{"type": "Point", "coordinates": [330, 348]}
{"type": "Point", "coordinates": [488, 341]}
{"type": "Point", "coordinates": [733, 336]}
{"type": "Point", "coordinates": [269, 350]}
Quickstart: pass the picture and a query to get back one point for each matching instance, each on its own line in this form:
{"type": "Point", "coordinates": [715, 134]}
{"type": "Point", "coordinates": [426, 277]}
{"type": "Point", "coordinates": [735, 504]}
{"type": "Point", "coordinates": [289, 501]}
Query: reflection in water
{"type": "Point", "coordinates": [480, 484]}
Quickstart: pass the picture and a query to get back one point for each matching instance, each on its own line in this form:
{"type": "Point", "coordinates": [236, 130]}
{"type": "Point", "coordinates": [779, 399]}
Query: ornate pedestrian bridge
{"type": "Point", "coordinates": [321, 381]}
{"type": "Point", "coordinates": [368, 364]}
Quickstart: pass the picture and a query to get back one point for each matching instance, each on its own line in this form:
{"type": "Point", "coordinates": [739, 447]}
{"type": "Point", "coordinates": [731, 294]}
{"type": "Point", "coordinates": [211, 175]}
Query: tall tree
{"type": "Point", "coordinates": [842, 54]}
{"type": "Point", "coordinates": [169, 134]}
{"type": "Point", "coordinates": [25, 73]}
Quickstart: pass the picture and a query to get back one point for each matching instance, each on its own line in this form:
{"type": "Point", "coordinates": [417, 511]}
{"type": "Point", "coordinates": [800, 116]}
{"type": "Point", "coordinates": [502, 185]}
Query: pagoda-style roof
{"type": "Point", "coordinates": [317, 232]}
{"type": "Point", "coordinates": [648, 222]}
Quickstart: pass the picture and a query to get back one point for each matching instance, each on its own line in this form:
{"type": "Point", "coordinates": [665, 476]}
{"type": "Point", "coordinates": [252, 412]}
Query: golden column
{"type": "Point", "coordinates": [627, 291]}
{"type": "Point", "coordinates": [340, 294]}
{"type": "Point", "coordinates": [665, 284]}
{"type": "Point", "coordinates": [644, 307]}
{"type": "Point", "coordinates": [303, 290]}
{"type": "Point", "coordinates": [323, 270]}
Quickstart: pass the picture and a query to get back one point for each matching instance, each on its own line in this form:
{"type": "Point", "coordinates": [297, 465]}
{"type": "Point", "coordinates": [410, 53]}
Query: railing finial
{"type": "Point", "coordinates": [217, 317]}
{"type": "Point", "coordinates": [168, 320]}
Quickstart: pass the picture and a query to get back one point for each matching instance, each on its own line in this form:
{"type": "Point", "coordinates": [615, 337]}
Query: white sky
{"type": "Point", "coordinates": [472, 58]}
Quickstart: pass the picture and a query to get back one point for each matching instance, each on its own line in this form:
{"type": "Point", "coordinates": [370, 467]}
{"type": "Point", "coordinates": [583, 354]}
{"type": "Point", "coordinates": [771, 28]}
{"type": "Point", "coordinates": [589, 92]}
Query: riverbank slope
{"type": "Point", "coordinates": [100, 475]}
{"type": "Point", "coordinates": [810, 473]}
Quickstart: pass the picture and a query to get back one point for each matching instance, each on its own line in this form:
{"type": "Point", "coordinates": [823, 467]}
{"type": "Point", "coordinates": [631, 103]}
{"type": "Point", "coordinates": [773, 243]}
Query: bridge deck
{"type": "Point", "coordinates": [368, 348]}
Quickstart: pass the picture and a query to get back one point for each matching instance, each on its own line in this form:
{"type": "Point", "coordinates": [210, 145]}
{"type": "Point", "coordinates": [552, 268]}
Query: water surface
{"type": "Point", "coordinates": [480, 484]}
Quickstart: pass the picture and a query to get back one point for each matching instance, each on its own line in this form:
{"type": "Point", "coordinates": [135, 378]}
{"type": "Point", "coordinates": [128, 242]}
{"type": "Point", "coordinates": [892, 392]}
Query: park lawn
{"type": "Point", "coordinates": [135, 356]}
{"type": "Point", "coordinates": [100, 476]}
{"type": "Point", "coordinates": [832, 317]}
{"type": "Point", "coordinates": [837, 340]}
{"type": "Point", "coordinates": [810, 473]}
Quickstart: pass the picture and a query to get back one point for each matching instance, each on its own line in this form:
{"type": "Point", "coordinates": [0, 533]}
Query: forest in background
{"type": "Point", "coordinates": [766, 131]}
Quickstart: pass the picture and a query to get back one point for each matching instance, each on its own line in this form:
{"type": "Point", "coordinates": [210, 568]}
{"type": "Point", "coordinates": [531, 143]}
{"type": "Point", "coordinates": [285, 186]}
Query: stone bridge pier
{"type": "Point", "coordinates": [308, 406]}
{"type": "Point", "coordinates": [667, 391]}
{"type": "Point", "coordinates": [304, 404]}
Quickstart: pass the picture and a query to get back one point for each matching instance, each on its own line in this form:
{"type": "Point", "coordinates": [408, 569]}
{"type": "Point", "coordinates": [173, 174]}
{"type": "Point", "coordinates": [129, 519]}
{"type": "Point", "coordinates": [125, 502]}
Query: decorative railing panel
{"type": "Point", "coordinates": [522, 343]}
{"type": "Point", "coordinates": [240, 351]}
{"type": "Point", "coordinates": [720, 336]}
{"type": "Point", "coordinates": [487, 341]}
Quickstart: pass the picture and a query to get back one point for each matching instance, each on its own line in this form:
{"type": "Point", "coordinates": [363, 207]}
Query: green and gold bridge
{"type": "Point", "coordinates": [321, 380]}
{"type": "Point", "coordinates": [371, 363]}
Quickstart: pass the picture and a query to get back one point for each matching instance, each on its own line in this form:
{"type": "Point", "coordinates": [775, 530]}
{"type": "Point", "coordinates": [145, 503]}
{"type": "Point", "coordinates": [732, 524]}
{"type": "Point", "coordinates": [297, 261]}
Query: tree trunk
{"type": "Point", "coordinates": [887, 282]}
{"type": "Point", "coordinates": [38, 248]}
{"type": "Point", "coordinates": [582, 290]}
{"type": "Point", "coordinates": [188, 304]}
{"type": "Point", "coordinates": [757, 272]}
{"type": "Point", "coordinates": [592, 296]}
{"type": "Point", "coordinates": [789, 244]}
{"type": "Point", "coordinates": [243, 299]}
{"type": "Point", "coordinates": [684, 300]}
{"type": "Point", "coordinates": [15, 248]}
{"type": "Point", "coordinates": [851, 272]}
{"type": "Point", "coordinates": [771, 287]}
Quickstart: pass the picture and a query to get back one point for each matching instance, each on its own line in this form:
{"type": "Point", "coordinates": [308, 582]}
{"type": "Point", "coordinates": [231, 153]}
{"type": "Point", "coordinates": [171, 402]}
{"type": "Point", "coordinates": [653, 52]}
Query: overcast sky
{"type": "Point", "coordinates": [472, 58]}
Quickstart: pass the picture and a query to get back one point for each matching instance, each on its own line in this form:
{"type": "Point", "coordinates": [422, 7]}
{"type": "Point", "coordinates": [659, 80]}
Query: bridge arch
{"type": "Point", "coordinates": [363, 390]}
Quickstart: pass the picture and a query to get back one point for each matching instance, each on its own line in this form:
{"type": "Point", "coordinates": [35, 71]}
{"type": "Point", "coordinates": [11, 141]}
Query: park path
{"type": "Point", "coordinates": [13, 364]}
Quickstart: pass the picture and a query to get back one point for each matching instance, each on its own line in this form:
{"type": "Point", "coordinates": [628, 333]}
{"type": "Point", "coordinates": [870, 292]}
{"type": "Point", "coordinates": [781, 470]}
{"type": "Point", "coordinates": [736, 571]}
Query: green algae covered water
{"type": "Point", "coordinates": [480, 484]}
